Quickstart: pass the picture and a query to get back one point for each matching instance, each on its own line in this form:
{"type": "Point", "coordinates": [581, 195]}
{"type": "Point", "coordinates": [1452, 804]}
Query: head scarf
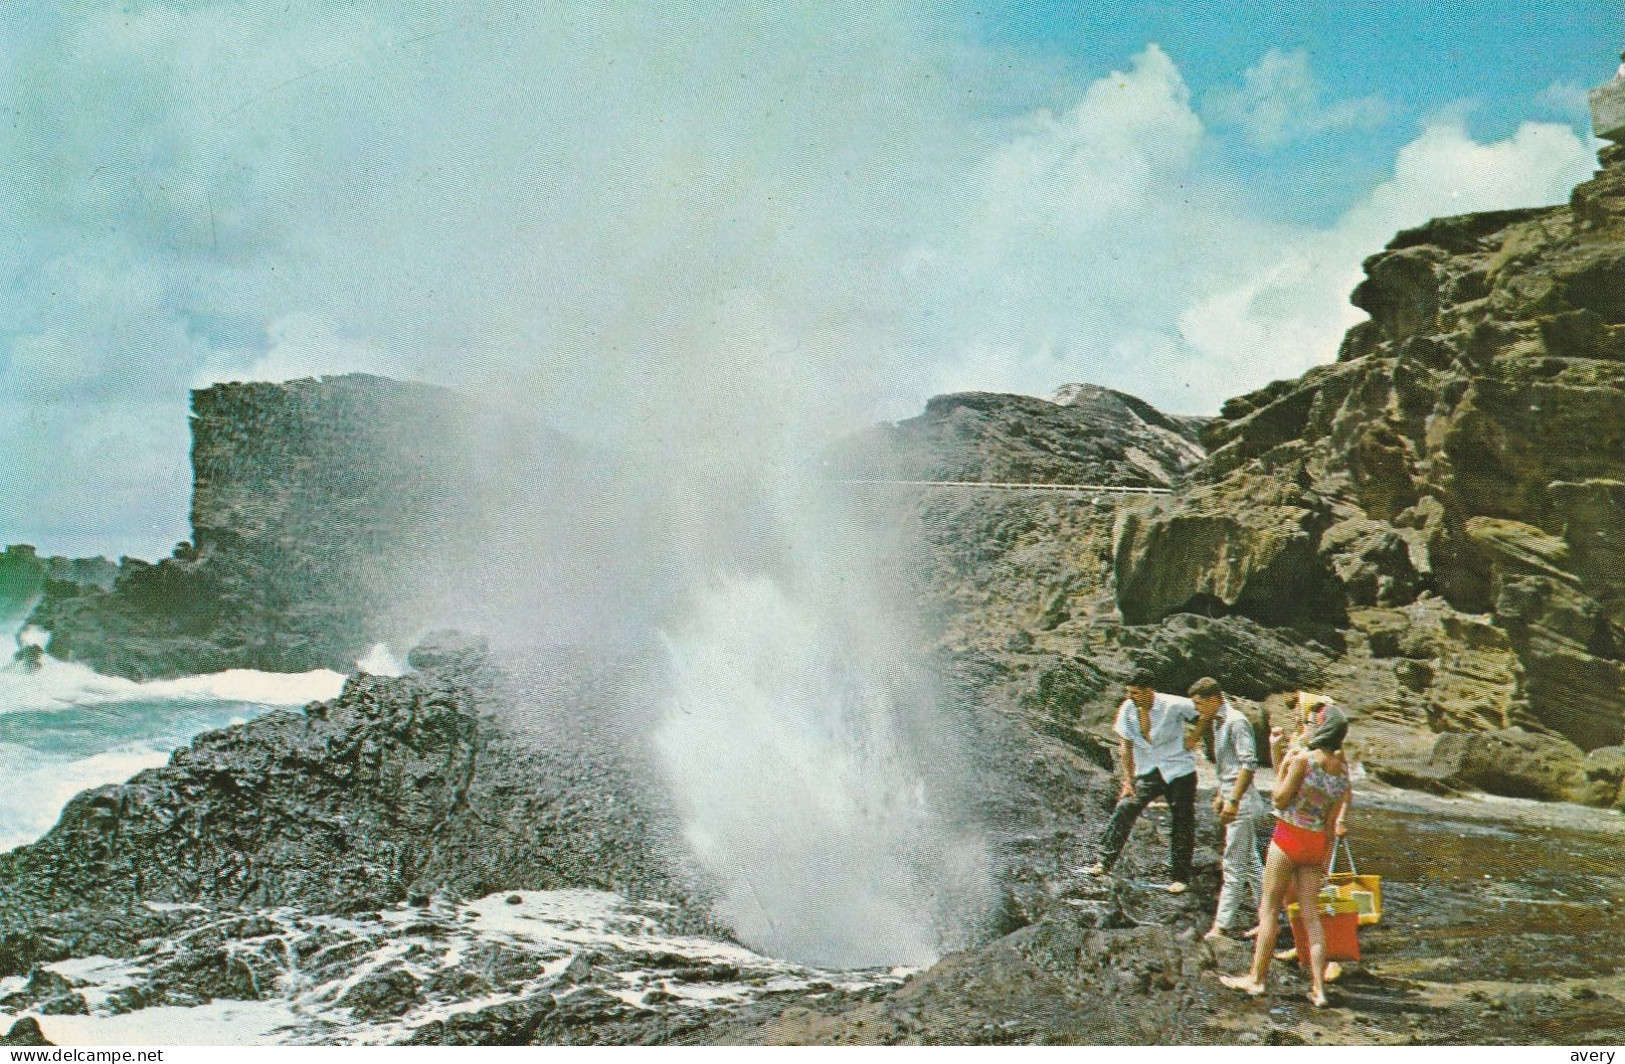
{"type": "Point", "coordinates": [1331, 727]}
{"type": "Point", "coordinates": [1310, 703]}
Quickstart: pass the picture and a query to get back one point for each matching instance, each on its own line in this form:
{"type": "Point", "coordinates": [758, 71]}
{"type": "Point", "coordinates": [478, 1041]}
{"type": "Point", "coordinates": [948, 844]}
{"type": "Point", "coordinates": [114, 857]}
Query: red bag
{"type": "Point", "coordinates": [1339, 920]}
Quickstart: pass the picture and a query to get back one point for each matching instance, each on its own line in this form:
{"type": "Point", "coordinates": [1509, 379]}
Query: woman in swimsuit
{"type": "Point", "coordinates": [1310, 798]}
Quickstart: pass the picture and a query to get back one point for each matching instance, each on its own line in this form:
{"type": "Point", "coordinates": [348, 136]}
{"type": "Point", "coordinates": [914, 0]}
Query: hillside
{"type": "Point", "coordinates": [1430, 528]}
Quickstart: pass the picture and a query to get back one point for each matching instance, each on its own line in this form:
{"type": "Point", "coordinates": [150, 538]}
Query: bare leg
{"type": "Point", "coordinates": [1278, 880]}
{"type": "Point", "coordinates": [1307, 881]}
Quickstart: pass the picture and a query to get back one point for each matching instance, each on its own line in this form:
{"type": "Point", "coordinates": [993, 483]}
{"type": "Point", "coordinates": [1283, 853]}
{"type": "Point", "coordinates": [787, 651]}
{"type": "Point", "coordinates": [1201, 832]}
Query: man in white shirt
{"type": "Point", "coordinates": [1153, 761]}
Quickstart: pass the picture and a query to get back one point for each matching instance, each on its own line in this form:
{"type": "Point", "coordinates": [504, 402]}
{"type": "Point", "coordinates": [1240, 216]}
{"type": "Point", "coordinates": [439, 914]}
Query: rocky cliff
{"type": "Point", "coordinates": [324, 513]}
{"type": "Point", "coordinates": [1430, 527]}
{"type": "Point", "coordinates": [1447, 495]}
{"type": "Point", "coordinates": [1084, 435]}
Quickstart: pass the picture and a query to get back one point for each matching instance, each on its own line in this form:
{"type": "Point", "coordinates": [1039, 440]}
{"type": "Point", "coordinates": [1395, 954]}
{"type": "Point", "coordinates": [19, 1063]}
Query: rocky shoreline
{"type": "Point", "coordinates": [1428, 529]}
{"type": "Point", "coordinates": [428, 959]}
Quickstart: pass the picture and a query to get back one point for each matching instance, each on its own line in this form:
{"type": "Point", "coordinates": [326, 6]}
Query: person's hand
{"type": "Point", "coordinates": [1125, 791]}
{"type": "Point", "coordinates": [1227, 811]}
{"type": "Point", "coordinates": [1218, 803]}
{"type": "Point", "coordinates": [1342, 828]}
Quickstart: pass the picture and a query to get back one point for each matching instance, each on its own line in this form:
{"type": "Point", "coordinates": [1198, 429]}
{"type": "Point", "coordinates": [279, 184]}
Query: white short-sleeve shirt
{"type": "Point", "coordinates": [1164, 749]}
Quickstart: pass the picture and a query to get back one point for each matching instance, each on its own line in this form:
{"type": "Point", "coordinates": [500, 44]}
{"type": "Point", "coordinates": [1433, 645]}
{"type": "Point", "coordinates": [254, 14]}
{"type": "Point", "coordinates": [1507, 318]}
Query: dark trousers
{"type": "Point", "coordinates": [1181, 801]}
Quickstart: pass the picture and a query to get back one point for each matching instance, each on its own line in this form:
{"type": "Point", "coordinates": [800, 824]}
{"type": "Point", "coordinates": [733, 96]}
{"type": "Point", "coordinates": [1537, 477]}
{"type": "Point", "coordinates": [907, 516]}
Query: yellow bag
{"type": "Point", "coordinates": [1365, 891]}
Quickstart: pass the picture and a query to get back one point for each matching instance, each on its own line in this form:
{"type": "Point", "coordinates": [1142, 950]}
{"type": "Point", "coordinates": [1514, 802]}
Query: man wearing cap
{"type": "Point", "coordinates": [1240, 808]}
{"type": "Point", "coordinates": [1153, 761]}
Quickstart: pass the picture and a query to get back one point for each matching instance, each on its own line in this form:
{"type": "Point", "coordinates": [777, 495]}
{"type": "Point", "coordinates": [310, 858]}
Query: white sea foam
{"type": "Point", "coordinates": [56, 684]}
{"type": "Point", "coordinates": [38, 787]}
{"type": "Point", "coordinates": [555, 927]}
{"type": "Point", "coordinates": [381, 661]}
{"type": "Point", "coordinates": [793, 742]}
{"type": "Point", "coordinates": [219, 1023]}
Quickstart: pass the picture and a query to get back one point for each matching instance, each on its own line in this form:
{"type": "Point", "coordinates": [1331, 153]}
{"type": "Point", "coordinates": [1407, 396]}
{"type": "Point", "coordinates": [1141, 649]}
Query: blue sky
{"type": "Point", "coordinates": [721, 228]}
{"type": "Point", "coordinates": [1495, 62]}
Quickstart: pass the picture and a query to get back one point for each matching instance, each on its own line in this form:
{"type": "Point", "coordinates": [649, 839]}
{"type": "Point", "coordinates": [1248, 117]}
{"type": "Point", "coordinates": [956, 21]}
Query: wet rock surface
{"type": "Point", "coordinates": [25, 1032]}
{"type": "Point", "coordinates": [398, 788]}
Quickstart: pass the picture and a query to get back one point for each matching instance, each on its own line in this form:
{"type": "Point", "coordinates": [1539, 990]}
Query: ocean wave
{"type": "Point", "coordinates": [37, 788]}
{"type": "Point", "coordinates": [59, 684]}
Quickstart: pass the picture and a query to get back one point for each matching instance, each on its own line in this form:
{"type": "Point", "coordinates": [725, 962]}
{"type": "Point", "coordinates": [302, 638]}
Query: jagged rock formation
{"type": "Point", "coordinates": [25, 576]}
{"type": "Point", "coordinates": [397, 789]}
{"type": "Point", "coordinates": [1086, 435]}
{"type": "Point", "coordinates": [1448, 491]}
{"type": "Point", "coordinates": [1434, 521]}
{"type": "Point", "coordinates": [324, 512]}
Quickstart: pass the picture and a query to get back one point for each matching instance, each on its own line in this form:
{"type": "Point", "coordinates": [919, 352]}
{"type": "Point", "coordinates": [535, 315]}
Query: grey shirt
{"type": "Point", "coordinates": [1234, 750]}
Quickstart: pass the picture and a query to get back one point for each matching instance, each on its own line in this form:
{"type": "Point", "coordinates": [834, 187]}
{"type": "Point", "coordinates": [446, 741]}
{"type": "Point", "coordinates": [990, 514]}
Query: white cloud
{"type": "Point", "coordinates": [1279, 100]}
{"type": "Point", "coordinates": [1567, 98]}
{"type": "Point", "coordinates": [1099, 250]}
{"type": "Point", "coordinates": [1087, 234]}
{"type": "Point", "coordinates": [1288, 315]}
{"type": "Point", "coordinates": [737, 248]}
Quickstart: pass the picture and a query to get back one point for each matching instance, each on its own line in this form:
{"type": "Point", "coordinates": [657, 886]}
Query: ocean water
{"type": "Point", "coordinates": [65, 728]}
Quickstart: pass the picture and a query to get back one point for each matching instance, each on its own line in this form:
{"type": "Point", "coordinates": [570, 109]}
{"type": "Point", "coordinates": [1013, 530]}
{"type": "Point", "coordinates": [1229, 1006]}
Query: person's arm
{"type": "Point", "coordinates": [1338, 822]}
{"type": "Point", "coordinates": [1286, 787]}
{"type": "Point", "coordinates": [1246, 751]}
{"type": "Point", "coordinates": [1193, 736]}
{"type": "Point", "coordinates": [1125, 763]}
{"type": "Point", "coordinates": [1278, 748]}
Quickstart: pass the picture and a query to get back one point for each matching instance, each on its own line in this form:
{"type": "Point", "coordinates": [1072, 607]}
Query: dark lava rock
{"type": "Point", "coordinates": [1086, 435]}
{"type": "Point", "coordinates": [583, 968]}
{"type": "Point", "coordinates": [383, 994]}
{"type": "Point", "coordinates": [505, 966]}
{"type": "Point", "coordinates": [218, 972]}
{"type": "Point", "coordinates": [25, 1032]}
{"type": "Point", "coordinates": [398, 787]}
{"type": "Point", "coordinates": [65, 1005]}
{"type": "Point", "coordinates": [447, 650]}
{"type": "Point", "coordinates": [1246, 658]}
{"type": "Point", "coordinates": [43, 984]}
{"type": "Point", "coordinates": [1514, 763]}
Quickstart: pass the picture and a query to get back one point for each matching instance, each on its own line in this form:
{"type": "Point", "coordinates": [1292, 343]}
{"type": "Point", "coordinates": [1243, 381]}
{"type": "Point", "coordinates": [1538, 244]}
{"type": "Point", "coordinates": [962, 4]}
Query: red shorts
{"type": "Point", "coordinates": [1304, 848]}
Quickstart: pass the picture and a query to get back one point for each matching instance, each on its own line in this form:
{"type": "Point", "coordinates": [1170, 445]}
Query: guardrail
{"type": "Point", "coordinates": [1070, 489]}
